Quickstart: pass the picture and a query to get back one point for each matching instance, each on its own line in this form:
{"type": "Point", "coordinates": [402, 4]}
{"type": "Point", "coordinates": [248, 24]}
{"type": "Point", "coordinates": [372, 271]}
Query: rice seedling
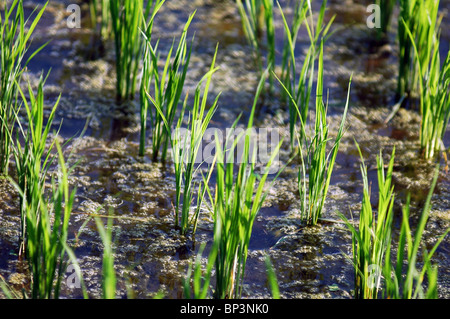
{"type": "Point", "coordinates": [434, 107]}
{"type": "Point", "coordinates": [399, 285]}
{"type": "Point", "coordinates": [33, 159]}
{"type": "Point", "coordinates": [167, 90]}
{"type": "Point", "coordinates": [372, 244]}
{"type": "Point", "coordinates": [272, 279]}
{"type": "Point", "coordinates": [405, 49]}
{"type": "Point", "coordinates": [185, 148]}
{"type": "Point", "coordinates": [14, 40]}
{"type": "Point", "coordinates": [146, 79]}
{"type": "Point", "coordinates": [108, 272]}
{"type": "Point", "coordinates": [371, 240]}
{"type": "Point", "coordinates": [251, 16]}
{"type": "Point", "coordinates": [105, 25]}
{"type": "Point", "coordinates": [316, 166]}
{"type": "Point", "coordinates": [386, 10]}
{"type": "Point", "coordinates": [127, 18]}
{"type": "Point", "coordinates": [420, 19]}
{"type": "Point", "coordinates": [236, 204]}
{"type": "Point", "coordinates": [201, 280]}
{"type": "Point", "coordinates": [300, 89]}
{"type": "Point", "coordinates": [47, 222]}
{"type": "Point", "coordinates": [434, 97]}
{"type": "Point", "coordinates": [257, 15]}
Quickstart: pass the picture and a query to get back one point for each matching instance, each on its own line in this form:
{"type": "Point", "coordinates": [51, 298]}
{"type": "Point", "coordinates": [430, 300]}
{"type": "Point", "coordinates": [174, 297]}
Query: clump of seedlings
{"type": "Point", "coordinates": [236, 203]}
{"type": "Point", "coordinates": [373, 236]}
{"type": "Point", "coordinates": [420, 18]}
{"type": "Point", "coordinates": [14, 44]}
{"type": "Point", "coordinates": [386, 10]}
{"type": "Point", "coordinates": [434, 88]}
{"type": "Point", "coordinates": [316, 163]}
{"type": "Point", "coordinates": [186, 145]}
{"type": "Point", "coordinates": [161, 92]}
{"type": "Point", "coordinates": [127, 20]}
{"type": "Point", "coordinates": [298, 83]}
{"type": "Point", "coordinates": [372, 244]}
{"type": "Point", "coordinates": [257, 17]}
{"type": "Point", "coordinates": [33, 156]}
{"type": "Point", "coordinates": [47, 222]}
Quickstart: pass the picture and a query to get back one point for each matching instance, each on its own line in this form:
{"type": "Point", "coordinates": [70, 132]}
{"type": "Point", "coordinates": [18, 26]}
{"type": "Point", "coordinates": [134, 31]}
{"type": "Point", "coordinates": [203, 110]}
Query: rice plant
{"type": "Point", "coordinates": [47, 222]}
{"type": "Point", "coordinates": [236, 203]}
{"type": "Point", "coordinates": [166, 93]}
{"type": "Point", "coordinates": [435, 107]}
{"type": "Point", "coordinates": [108, 272]}
{"type": "Point", "coordinates": [14, 44]}
{"type": "Point", "coordinates": [200, 287]}
{"type": "Point", "coordinates": [434, 96]}
{"type": "Point", "coordinates": [372, 244]}
{"type": "Point", "coordinates": [146, 79]}
{"type": "Point", "coordinates": [409, 285]}
{"type": "Point", "coordinates": [105, 25]}
{"type": "Point", "coordinates": [372, 239]}
{"type": "Point", "coordinates": [127, 19]}
{"type": "Point", "coordinates": [420, 19]}
{"type": "Point", "coordinates": [299, 83]}
{"type": "Point", "coordinates": [386, 10]}
{"type": "Point", "coordinates": [33, 156]}
{"type": "Point", "coordinates": [185, 148]}
{"type": "Point", "coordinates": [257, 16]}
{"type": "Point", "coordinates": [405, 48]}
{"type": "Point", "coordinates": [272, 278]}
{"type": "Point", "coordinates": [316, 165]}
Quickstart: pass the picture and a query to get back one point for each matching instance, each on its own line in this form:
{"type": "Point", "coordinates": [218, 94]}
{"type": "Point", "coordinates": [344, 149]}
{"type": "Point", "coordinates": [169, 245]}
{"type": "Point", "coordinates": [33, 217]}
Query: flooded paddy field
{"type": "Point", "coordinates": [151, 256]}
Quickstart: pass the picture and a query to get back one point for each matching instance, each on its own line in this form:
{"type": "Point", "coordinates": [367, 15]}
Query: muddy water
{"type": "Point", "coordinates": [150, 255]}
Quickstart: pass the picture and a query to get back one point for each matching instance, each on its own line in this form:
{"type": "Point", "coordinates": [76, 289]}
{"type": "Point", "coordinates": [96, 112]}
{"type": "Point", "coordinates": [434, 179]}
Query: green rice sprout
{"type": "Point", "coordinates": [185, 148]}
{"type": "Point", "coordinates": [316, 164]}
{"type": "Point", "coordinates": [399, 285]}
{"type": "Point", "coordinates": [14, 44]}
{"type": "Point", "coordinates": [300, 88]}
{"type": "Point", "coordinates": [166, 93]}
{"type": "Point", "coordinates": [372, 239]}
{"type": "Point", "coordinates": [127, 19]}
{"type": "Point", "coordinates": [108, 272]}
{"type": "Point", "coordinates": [47, 222]}
{"type": "Point", "coordinates": [435, 107]}
{"type": "Point", "coordinates": [257, 16]}
{"type": "Point", "coordinates": [386, 10]}
{"type": "Point", "coordinates": [146, 79]}
{"type": "Point", "coordinates": [200, 286]}
{"type": "Point", "coordinates": [434, 98]}
{"type": "Point", "coordinates": [372, 244]}
{"type": "Point", "coordinates": [33, 158]}
{"type": "Point", "coordinates": [189, 148]}
{"type": "Point", "coordinates": [420, 19]}
{"type": "Point", "coordinates": [105, 25]}
{"type": "Point", "coordinates": [272, 279]}
{"type": "Point", "coordinates": [236, 203]}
